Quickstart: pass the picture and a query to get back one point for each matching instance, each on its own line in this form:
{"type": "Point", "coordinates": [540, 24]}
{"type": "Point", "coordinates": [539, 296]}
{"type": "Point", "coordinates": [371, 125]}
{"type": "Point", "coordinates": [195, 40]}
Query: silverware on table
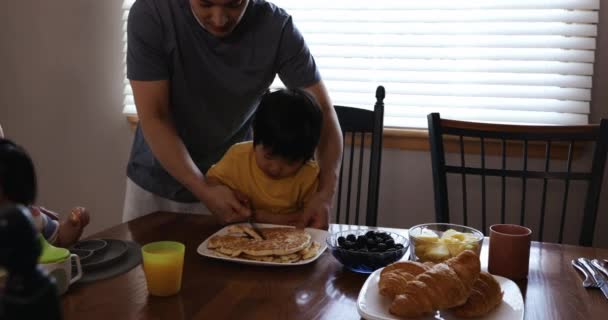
{"type": "Point", "coordinates": [589, 282]}
{"type": "Point", "coordinates": [600, 280]}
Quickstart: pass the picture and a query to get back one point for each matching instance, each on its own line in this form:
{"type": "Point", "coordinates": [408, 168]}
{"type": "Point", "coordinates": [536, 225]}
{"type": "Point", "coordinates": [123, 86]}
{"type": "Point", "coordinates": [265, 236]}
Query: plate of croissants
{"type": "Point", "coordinates": [453, 289]}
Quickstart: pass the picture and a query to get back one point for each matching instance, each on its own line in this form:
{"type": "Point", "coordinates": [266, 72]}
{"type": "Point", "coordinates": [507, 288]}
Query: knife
{"type": "Point", "coordinates": [597, 276]}
{"type": "Point", "coordinates": [256, 229]}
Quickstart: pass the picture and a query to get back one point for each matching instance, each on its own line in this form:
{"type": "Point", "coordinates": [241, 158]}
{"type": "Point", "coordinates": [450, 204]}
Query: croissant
{"type": "Point", "coordinates": [485, 296]}
{"type": "Point", "coordinates": [394, 277]}
{"type": "Point", "coordinates": [443, 286]}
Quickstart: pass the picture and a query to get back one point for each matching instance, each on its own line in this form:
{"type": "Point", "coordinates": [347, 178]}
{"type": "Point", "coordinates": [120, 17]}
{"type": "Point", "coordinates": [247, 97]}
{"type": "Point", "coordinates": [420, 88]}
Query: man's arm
{"type": "Point", "coordinates": [152, 102]}
{"type": "Point", "coordinates": [329, 153]}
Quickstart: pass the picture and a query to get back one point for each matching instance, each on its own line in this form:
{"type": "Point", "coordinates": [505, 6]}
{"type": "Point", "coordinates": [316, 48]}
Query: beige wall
{"type": "Point", "coordinates": [60, 97]}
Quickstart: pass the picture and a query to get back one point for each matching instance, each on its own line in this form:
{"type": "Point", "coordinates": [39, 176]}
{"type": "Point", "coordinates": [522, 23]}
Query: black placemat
{"type": "Point", "coordinates": [128, 261]}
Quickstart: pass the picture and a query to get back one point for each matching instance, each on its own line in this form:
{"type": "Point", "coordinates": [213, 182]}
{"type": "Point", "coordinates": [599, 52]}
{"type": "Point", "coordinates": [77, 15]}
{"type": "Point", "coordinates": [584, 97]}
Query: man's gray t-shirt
{"type": "Point", "coordinates": [215, 83]}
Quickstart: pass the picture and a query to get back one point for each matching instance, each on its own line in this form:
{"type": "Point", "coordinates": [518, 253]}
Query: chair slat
{"type": "Point", "coordinates": [339, 203]}
{"type": "Point", "coordinates": [360, 176]}
{"type": "Point", "coordinates": [543, 201]}
{"type": "Point", "coordinates": [483, 185]}
{"type": "Point", "coordinates": [350, 175]}
{"type": "Point", "coordinates": [464, 183]}
{"type": "Point", "coordinates": [519, 174]}
{"type": "Point", "coordinates": [503, 182]}
{"type": "Point", "coordinates": [578, 133]}
{"type": "Point", "coordinates": [566, 191]}
{"type": "Point", "coordinates": [523, 184]}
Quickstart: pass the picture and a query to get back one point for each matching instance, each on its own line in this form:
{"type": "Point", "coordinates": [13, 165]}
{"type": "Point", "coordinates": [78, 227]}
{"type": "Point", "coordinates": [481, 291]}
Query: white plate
{"type": "Point", "coordinates": [317, 235]}
{"type": "Point", "coordinates": [373, 306]}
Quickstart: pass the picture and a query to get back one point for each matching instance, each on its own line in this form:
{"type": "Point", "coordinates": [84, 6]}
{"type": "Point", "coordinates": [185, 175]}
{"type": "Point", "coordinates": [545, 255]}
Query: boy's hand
{"type": "Point", "coordinates": [316, 213]}
{"type": "Point", "coordinates": [224, 204]}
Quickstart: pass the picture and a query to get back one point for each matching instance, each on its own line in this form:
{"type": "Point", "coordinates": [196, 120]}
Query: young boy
{"type": "Point", "coordinates": [18, 185]}
{"type": "Point", "coordinates": [274, 174]}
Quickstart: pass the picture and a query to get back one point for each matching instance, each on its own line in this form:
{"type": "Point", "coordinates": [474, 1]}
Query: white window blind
{"type": "Point", "coordinates": [510, 61]}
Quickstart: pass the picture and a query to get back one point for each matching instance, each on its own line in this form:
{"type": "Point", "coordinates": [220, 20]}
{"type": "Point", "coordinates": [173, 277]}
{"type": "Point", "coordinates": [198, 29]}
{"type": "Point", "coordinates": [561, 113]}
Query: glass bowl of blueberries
{"type": "Point", "coordinates": [365, 250]}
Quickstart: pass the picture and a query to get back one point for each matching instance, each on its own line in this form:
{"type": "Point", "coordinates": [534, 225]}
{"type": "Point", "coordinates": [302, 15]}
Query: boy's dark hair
{"type": "Point", "coordinates": [288, 122]}
{"type": "Point", "coordinates": [17, 175]}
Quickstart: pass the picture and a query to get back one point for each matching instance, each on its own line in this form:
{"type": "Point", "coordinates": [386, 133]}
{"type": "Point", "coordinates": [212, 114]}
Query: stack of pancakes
{"type": "Point", "coordinates": [282, 245]}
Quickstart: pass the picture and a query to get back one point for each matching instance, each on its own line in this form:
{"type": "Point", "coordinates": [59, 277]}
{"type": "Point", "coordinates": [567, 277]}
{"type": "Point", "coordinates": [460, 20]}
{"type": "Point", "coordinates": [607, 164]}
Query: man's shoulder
{"type": "Point", "coordinates": [158, 7]}
{"type": "Point", "coordinates": [155, 8]}
{"type": "Point", "coordinates": [269, 12]}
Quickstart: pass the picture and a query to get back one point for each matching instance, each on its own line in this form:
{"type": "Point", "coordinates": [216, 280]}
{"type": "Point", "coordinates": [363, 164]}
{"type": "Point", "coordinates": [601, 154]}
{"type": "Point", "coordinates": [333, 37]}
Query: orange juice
{"type": "Point", "coordinates": [163, 265]}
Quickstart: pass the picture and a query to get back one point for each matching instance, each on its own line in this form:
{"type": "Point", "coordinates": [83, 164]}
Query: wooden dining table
{"type": "Point", "coordinates": [323, 289]}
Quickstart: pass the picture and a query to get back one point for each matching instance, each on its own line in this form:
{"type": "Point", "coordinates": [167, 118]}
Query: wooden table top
{"type": "Point", "coordinates": [214, 289]}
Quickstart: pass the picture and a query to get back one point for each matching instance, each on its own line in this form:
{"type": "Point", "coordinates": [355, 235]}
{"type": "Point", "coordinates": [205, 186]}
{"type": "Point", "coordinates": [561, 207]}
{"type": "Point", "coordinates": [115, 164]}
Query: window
{"type": "Point", "coordinates": [510, 61]}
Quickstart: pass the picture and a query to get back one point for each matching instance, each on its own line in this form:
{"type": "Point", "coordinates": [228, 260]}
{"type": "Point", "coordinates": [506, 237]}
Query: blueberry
{"type": "Point", "coordinates": [341, 241]}
{"type": "Point", "coordinates": [370, 234]}
{"type": "Point", "coordinates": [361, 240]}
{"type": "Point", "coordinates": [390, 243]}
{"type": "Point", "coordinates": [371, 242]}
{"type": "Point", "coordinates": [398, 246]}
{"type": "Point", "coordinates": [348, 244]}
{"type": "Point", "coordinates": [379, 240]}
{"type": "Point", "coordinates": [351, 237]}
{"type": "Point", "coordinates": [382, 247]}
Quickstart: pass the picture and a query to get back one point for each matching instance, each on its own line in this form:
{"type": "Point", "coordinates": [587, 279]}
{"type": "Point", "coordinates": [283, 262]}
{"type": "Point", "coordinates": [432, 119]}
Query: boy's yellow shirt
{"type": "Point", "coordinates": [239, 171]}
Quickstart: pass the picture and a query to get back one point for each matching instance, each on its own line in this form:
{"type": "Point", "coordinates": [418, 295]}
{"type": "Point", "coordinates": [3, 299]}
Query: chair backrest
{"type": "Point", "coordinates": [357, 125]}
{"type": "Point", "coordinates": [547, 136]}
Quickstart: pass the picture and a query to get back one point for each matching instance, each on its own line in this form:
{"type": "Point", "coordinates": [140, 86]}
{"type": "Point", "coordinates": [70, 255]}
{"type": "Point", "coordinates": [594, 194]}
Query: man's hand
{"type": "Point", "coordinates": [243, 199]}
{"type": "Point", "coordinates": [225, 205]}
{"type": "Point", "coordinates": [316, 212]}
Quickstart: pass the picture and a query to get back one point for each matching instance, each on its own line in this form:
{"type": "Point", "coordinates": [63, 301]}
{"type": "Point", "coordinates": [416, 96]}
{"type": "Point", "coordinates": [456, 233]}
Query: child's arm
{"type": "Point", "coordinates": [48, 227]}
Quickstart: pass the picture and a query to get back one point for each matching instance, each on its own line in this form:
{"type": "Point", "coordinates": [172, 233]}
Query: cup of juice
{"type": "Point", "coordinates": [163, 265]}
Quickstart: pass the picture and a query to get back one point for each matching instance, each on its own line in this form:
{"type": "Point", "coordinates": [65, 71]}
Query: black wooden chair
{"type": "Point", "coordinates": [568, 138]}
{"type": "Point", "coordinates": [357, 126]}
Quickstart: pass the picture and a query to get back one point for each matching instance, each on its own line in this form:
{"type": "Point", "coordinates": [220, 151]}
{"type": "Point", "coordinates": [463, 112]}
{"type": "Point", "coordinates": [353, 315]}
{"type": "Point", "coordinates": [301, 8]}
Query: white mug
{"type": "Point", "coordinates": [61, 271]}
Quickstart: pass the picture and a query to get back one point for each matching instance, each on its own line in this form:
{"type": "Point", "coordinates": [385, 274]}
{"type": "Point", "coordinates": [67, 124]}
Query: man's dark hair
{"type": "Point", "coordinates": [17, 175]}
{"type": "Point", "coordinates": [288, 122]}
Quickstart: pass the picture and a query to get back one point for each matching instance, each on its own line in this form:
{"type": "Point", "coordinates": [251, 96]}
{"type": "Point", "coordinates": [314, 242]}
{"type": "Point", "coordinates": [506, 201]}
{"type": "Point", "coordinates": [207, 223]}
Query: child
{"type": "Point", "coordinates": [274, 174]}
{"type": "Point", "coordinates": [18, 185]}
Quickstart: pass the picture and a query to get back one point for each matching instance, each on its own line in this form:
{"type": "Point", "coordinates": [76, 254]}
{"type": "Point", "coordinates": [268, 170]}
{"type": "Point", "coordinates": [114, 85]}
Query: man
{"type": "Point", "coordinates": [198, 69]}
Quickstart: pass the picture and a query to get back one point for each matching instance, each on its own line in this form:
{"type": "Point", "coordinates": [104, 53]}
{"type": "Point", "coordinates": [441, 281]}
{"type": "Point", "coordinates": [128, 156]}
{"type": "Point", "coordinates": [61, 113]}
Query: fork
{"type": "Point", "coordinates": [589, 282]}
{"type": "Point", "coordinates": [600, 266]}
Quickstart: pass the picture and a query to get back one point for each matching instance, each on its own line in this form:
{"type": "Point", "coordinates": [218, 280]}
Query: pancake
{"type": "Point", "coordinates": [278, 242]}
{"type": "Point", "coordinates": [303, 254]}
{"type": "Point", "coordinates": [311, 251]}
